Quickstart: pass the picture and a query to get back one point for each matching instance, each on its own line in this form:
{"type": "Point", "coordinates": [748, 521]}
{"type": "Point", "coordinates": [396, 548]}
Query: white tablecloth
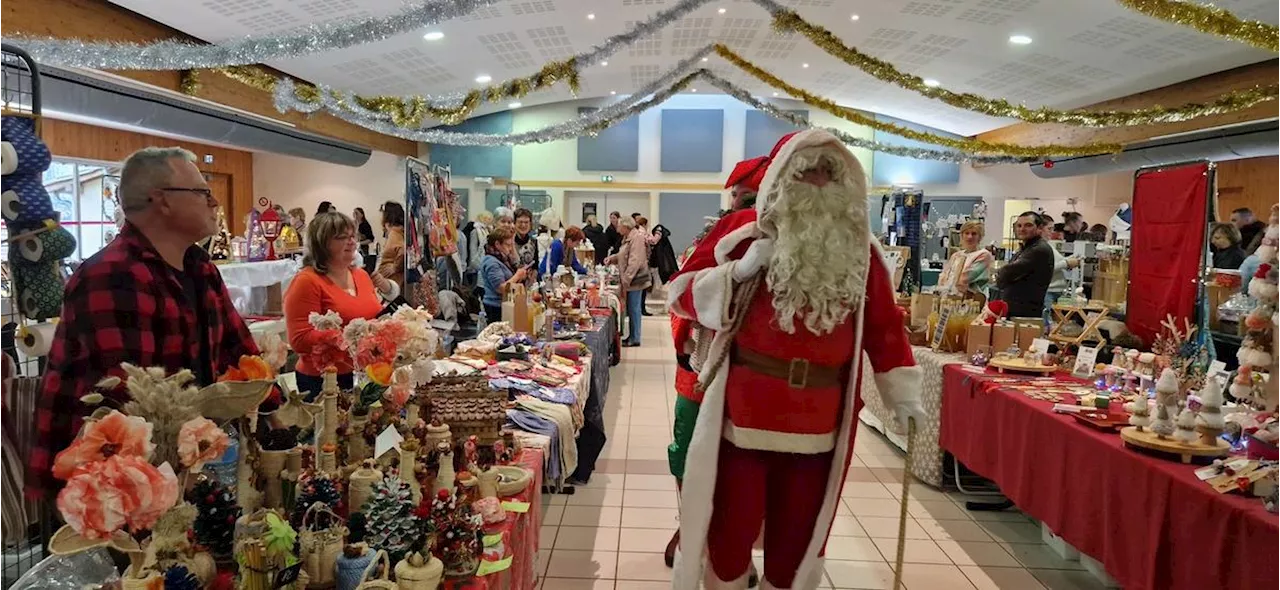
{"type": "Point", "coordinates": [246, 282]}
{"type": "Point", "coordinates": [928, 453]}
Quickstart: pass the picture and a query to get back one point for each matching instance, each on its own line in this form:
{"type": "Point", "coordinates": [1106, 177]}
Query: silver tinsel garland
{"type": "Point", "coordinates": [181, 55]}
{"type": "Point", "coordinates": [340, 105]}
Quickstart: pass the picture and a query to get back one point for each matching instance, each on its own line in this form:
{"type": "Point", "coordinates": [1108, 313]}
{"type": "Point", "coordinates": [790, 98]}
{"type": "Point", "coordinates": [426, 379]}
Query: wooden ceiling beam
{"type": "Point", "coordinates": [99, 20]}
{"type": "Point", "coordinates": [1200, 89]}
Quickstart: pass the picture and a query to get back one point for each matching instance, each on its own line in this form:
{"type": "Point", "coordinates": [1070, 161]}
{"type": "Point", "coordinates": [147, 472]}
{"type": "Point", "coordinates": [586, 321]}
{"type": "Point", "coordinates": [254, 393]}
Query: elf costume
{"type": "Point", "coordinates": [774, 434]}
{"type": "Point", "coordinates": [745, 184]}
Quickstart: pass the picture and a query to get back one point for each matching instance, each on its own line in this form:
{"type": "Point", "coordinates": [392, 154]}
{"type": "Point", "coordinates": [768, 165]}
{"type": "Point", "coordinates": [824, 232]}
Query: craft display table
{"type": "Point", "coordinates": [257, 288]}
{"type": "Point", "coordinates": [1150, 521]}
{"type": "Point", "coordinates": [602, 343]}
{"type": "Point", "coordinates": [927, 466]}
{"type": "Point", "coordinates": [520, 533]}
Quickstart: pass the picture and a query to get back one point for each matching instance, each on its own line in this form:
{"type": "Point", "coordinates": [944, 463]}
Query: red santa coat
{"type": "Point", "coordinates": [790, 422]}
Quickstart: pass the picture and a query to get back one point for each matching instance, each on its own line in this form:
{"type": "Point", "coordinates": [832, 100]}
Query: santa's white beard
{"type": "Point", "coordinates": [814, 272]}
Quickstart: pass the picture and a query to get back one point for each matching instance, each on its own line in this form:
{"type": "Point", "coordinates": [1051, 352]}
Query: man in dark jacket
{"type": "Point", "coordinates": [599, 240]}
{"type": "Point", "coordinates": [1250, 229]}
{"type": "Point", "coordinates": [1024, 281]}
{"type": "Point", "coordinates": [611, 234]}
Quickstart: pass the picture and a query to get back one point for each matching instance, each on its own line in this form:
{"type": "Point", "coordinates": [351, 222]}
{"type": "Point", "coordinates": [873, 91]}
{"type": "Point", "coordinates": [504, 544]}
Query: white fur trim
{"type": "Point", "coordinates": [699, 486]}
{"type": "Point", "coordinates": [711, 582]}
{"type": "Point", "coordinates": [899, 384]}
{"type": "Point", "coordinates": [778, 442]}
{"type": "Point", "coordinates": [712, 294]}
{"type": "Point", "coordinates": [725, 245]}
{"type": "Point", "coordinates": [678, 287]}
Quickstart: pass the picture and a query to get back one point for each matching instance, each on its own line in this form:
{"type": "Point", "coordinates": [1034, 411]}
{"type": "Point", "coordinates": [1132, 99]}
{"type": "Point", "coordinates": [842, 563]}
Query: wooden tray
{"type": "Point", "coordinates": [1186, 451]}
{"type": "Point", "coordinates": [1020, 365]}
{"type": "Point", "coordinates": [1102, 420]}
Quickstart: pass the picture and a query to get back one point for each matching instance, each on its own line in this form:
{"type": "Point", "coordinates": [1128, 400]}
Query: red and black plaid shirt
{"type": "Point", "coordinates": [126, 304]}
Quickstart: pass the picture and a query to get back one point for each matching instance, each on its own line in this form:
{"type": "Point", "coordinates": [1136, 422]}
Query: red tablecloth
{"type": "Point", "coordinates": [1152, 524]}
{"type": "Point", "coordinates": [520, 532]}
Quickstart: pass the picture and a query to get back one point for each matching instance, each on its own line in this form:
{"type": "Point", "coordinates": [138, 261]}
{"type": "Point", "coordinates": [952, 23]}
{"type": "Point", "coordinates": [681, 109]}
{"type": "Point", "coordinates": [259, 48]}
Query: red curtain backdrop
{"type": "Point", "coordinates": [1168, 242]}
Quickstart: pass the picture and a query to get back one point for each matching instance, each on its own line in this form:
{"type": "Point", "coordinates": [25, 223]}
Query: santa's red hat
{"type": "Point", "coordinates": [748, 173]}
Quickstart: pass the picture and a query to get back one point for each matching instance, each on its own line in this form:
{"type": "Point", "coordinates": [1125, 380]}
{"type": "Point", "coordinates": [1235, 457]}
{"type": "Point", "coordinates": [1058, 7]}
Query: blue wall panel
{"type": "Point", "coordinates": [685, 214]}
{"type": "Point", "coordinates": [887, 169]}
{"type": "Point", "coordinates": [616, 149]}
{"type": "Point", "coordinates": [764, 131]}
{"type": "Point", "coordinates": [692, 140]}
{"type": "Point", "coordinates": [477, 161]}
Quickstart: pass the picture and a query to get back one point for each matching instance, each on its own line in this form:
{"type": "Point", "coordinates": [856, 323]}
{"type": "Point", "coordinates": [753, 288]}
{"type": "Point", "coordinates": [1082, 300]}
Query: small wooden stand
{"type": "Point", "coordinates": [1020, 365]}
{"type": "Point", "coordinates": [1186, 451]}
{"type": "Point", "coordinates": [1079, 315]}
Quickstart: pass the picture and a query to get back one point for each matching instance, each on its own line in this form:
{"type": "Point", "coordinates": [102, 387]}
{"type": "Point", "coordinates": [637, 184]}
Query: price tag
{"type": "Point", "coordinates": [287, 576]}
{"type": "Point", "coordinates": [1040, 346]}
{"type": "Point", "coordinates": [387, 440]}
{"type": "Point", "coordinates": [1086, 359]}
{"type": "Point", "coordinates": [1218, 370]}
{"type": "Point", "coordinates": [493, 567]}
{"type": "Point", "coordinates": [517, 507]}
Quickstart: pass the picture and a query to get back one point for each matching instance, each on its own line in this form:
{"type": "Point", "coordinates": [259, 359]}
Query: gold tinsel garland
{"type": "Point", "coordinates": [969, 146]}
{"type": "Point", "coordinates": [788, 21]}
{"type": "Point", "coordinates": [1210, 20]}
{"type": "Point", "coordinates": [189, 82]}
{"type": "Point", "coordinates": [410, 112]}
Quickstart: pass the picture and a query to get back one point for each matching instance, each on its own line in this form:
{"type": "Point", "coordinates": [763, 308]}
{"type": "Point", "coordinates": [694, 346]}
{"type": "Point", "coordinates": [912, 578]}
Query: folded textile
{"type": "Point", "coordinates": [559, 414]}
{"type": "Point", "coordinates": [528, 421]}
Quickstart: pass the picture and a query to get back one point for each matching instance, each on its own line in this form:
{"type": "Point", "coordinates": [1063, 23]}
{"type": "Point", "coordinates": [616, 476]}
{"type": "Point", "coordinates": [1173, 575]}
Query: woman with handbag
{"type": "Point", "coordinates": [633, 268]}
{"type": "Point", "coordinates": [496, 272]}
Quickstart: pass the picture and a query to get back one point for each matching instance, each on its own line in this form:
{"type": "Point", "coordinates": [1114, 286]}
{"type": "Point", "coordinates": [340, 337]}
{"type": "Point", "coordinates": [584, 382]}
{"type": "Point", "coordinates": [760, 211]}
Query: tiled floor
{"type": "Point", "coordinates": [611, 533]}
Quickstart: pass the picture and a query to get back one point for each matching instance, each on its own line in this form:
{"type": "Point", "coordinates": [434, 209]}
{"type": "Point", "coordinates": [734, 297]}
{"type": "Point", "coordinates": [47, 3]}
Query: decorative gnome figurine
{"type": "Point", "coordinates": [1209, 422]}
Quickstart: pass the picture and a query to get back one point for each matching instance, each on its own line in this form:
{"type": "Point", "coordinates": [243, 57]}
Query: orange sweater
{"type": "Point", "coordinates": [311, 291]}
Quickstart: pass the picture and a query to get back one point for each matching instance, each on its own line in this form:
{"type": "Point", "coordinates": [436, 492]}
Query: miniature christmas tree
{"type": "Point", "coordinates": [317, 488]}
{"type": "Point", "coordinates": [1186, 426]}
{"type": "Point", "coordinates": [1140, 411]}
{"type": "Point", "coordinates": [218, 511]}
{"type": "Point", "coordinates": [1166, 402]}
{"type": "Point", "coordinates": [1257, 351]}
{"type": "Point", "coordinates": [1163, 424]}
{"type": "Point", "coordinates": [1209, 422]}
{"type": "Point", "coordinates": [457, 533]}
{"type": "Point", "coordinates": [390, 522]}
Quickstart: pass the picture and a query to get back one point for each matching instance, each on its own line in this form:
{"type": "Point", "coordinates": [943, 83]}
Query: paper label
{"type": "Point", "coordinates": [491, 540]}
{"type": "Point", "coordinates": [493, 567]}
{"type": "Point", "coordinates": [388, 439]}
{"type": "Point", "coordinates": [517, 507]}
{"type": "Point", "coordinates": [1040, 346]}
{"type": "Point", "coordinates": [1086, 359]}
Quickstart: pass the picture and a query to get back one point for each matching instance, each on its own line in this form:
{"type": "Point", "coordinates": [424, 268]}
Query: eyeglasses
{"type": "Point", "coordinates": [207, 193]}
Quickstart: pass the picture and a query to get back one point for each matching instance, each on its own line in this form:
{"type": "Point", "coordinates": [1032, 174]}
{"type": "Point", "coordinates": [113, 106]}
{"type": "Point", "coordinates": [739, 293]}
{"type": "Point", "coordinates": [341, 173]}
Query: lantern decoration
{"type": "Point", "coordinates": [270, 223]}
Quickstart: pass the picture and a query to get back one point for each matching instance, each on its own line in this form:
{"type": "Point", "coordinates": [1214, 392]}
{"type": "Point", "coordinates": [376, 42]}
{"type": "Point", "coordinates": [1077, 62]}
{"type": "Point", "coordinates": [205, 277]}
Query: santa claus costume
{"type": "Point", "coordinates": [797, 292]}
{"type": "Point", "coordinates": [744, 182]}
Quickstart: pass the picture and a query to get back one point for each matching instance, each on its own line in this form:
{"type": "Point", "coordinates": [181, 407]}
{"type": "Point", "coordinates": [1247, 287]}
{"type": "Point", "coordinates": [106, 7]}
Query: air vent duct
{"type": "Point", "coordinates": [1249, 140]}
{"type": "Point", "coordinates": [85, 96]}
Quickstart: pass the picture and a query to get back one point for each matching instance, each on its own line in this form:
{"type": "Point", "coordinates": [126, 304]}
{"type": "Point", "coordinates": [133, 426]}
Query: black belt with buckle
{"type": "Point", "coordinates": [798, 373]}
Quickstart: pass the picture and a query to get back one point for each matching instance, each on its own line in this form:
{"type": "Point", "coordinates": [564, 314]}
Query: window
{"type": "Point", "coordinates": [83, 195]}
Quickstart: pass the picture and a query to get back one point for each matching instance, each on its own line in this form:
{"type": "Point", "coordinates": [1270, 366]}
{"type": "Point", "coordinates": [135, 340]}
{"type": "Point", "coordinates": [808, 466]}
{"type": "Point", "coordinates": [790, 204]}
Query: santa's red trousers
{"type": "Point", "coordinates": [782, 491]}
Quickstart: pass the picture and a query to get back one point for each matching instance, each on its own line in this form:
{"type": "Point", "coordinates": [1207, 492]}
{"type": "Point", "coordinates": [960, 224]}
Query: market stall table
{"type": "Point", "coordinates": [257, 288]}
{"type": "Point", "coordinates": [591, 440]}
{"type": "Point", "coordinates": [927, 462]}
{"type": "Point", "coordinates": [520, 532]}
{"type": "Point", "coordinates": [1150, 521]}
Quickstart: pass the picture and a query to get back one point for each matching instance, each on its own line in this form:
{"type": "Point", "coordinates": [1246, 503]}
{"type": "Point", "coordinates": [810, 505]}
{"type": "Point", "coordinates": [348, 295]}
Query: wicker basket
{"type": "Point", "coordinates": [419, 572]}
{"type": "Point", "coordinates": [382, 582]}
{"type": "Point", "coordinates": [320, 549]}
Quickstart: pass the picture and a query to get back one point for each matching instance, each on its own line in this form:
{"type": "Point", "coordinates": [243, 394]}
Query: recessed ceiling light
{"type": "Point", "coordinates": [612, 92]}
{"type": "Point", "coordinates": [433, 36]}
{"type": "Point", "coordinates": [854, 17]}
{"type": "Point", "coordinates": [804, 65]}
{"type": "Point", "coordinates": [604, 63]}
{"type": "Point", "coordinates": [775, 94]}
{"type": "Point", "coordinates": [694, 90]}
{"type": "Point", "coordinates": [484, 79]}
{"type": "Point", "coordinates": [1020, 40]}
{"type": "Point", "coordinates": [514, 105]}
{"type": "Point", "coordinates": [722, 11]}
{"type": "Point", "coordinates": [931, 83]}
{"type": "Point", "coordinates": [704, 59]}
{"type": "Point", "coordinates": [591, 16]}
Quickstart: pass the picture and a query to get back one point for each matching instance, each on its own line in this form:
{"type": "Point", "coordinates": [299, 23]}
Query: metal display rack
{"type": "Point", "coordinates": [20, 96]}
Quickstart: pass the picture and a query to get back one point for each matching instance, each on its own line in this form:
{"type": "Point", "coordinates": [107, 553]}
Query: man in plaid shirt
{"type": "Point", "coordinates": [151, 298]}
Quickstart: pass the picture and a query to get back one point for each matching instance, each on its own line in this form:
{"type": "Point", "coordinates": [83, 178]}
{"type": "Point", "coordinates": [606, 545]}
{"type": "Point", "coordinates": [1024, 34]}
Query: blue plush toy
{"type": "Point", "coordinates": [30, 155]}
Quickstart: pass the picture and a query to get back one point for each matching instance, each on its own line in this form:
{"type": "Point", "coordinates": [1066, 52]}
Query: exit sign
{"type": "Point", "coordinates": [606, 178]}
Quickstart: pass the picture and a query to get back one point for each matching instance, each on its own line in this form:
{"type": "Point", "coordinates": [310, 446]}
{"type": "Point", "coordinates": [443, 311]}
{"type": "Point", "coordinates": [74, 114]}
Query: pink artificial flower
{"type": "Point", "coordinates": [200, 441]}
{"type": "Point", "coordinates": [115, 434]}
{"type": "Point", "coordinates": [146, 491]}
{"type": "Point", "coordinates": [91, 505]}
{"type": "Point", "coordinates": [398, 395]}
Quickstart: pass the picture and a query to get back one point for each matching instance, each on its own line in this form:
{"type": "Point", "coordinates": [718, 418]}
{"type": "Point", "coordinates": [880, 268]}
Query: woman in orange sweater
{"type": "Point", "coordinates": [330, 281]}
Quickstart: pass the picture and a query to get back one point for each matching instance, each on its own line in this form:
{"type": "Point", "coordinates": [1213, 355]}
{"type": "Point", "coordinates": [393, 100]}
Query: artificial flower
{"type": "Point", "coordinates": [398, 395]}
{"type": "Point", "coordinates": [375, 347]}
{"type": "Point", "coordinates": [114, 434]}
{"type": "Point", "coordinates": [91, 505]}
{"type": "Point", "coordinates": [274, 350]}
{"type": "Point", "coordinates": [326, 321]}
{"type": "Point", "coordinates": [255, 368]}
{"type": "Point", "coordinates": [380, 372]}
{"type": "Point", "coordinates": [201, 441]}
{"type": "Point", "coordinates": [147, 491]}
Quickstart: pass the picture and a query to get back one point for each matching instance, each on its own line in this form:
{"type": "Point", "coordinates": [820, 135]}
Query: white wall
{"type": "Point", "coordinates": [300, 182]}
